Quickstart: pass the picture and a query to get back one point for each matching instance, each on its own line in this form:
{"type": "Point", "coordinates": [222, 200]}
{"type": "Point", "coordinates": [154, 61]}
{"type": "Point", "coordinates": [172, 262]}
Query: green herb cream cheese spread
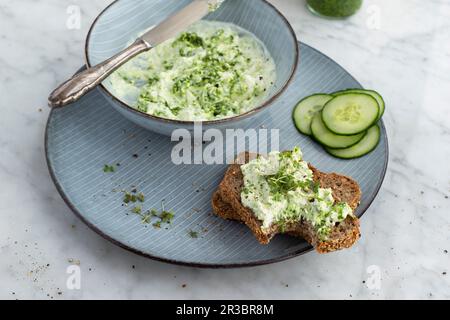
{"type": "Point", "coordinates": [280, 189]}
{"type": "Point", "coordinates": [212, 71]}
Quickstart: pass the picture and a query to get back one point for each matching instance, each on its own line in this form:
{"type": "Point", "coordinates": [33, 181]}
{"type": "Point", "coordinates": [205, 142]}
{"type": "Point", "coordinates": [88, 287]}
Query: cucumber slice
{"type": "Point", "coordinates": [327, 138]}
{"type": "Point", "coordinates": [373, 93]}
{"type": "Point", "coordinates": [350, 113]}
{"type": "Point", "coordinates": [365, 146]}
{"type": "Point", "coordinates": [306, 109]}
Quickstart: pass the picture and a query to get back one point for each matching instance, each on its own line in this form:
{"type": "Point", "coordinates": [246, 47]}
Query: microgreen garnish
{"type": "Point", "coordinates": [216, 70]}
{"type": "Point", "coordinates": [153, 213]}
{"type": "Point", "coordinates": [193, 234]}
{"type": "Point", "coordinates": [129, 198]}
{"type": "Point", "coordinates": [157, 225]}
{"type": "Point", "coordinates": [140, 197]}
{"type": "Point", "coordinates": [109, 169]}
{"type": "Point", "coordinates": [137, 210]}
{"type": "Point", "coordinates": [147, 217]}
{"type": "Point", "coordinates": [284, 180]}
{"type": "Point", "coordinates": [166, 217]}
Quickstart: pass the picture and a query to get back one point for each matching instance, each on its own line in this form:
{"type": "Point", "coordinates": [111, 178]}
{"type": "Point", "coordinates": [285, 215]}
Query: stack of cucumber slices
{"type": "Point", "coordinates": [345, 123]}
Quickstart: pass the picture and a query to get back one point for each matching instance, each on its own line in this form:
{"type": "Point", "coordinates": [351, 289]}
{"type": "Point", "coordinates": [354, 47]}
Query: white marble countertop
{"type": "Point", "coordinates": [400, 47]}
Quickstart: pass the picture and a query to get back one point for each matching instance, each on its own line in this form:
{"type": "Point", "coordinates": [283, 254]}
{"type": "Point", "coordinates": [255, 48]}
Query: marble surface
{"type": "Point", "coordinates": [400, 48]}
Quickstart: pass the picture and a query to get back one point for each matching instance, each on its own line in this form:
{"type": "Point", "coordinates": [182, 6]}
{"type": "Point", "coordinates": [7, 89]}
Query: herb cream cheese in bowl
{"type": "Point", "coordinates": [221, 71]}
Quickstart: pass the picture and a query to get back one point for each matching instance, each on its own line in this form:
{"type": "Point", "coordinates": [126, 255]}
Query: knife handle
{"type": "Point", "coordinates": [83, 82]}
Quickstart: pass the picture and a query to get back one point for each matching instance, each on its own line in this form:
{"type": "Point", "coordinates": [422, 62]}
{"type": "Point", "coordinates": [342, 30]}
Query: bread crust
{"type": "Point", "coordinates": [226, 203]}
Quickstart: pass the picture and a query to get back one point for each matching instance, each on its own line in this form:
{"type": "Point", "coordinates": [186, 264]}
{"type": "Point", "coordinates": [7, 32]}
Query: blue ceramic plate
{"type": "Point", "coordinates": [83, 137]}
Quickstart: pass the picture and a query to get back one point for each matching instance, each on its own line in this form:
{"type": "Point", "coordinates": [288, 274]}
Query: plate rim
{"type": "Point", "coordinates": [289, 256]}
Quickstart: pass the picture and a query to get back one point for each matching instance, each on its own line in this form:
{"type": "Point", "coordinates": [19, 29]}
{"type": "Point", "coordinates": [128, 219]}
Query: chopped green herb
{"type": "Point", "coordinates": [166, 217]}
{"type": "Point", "coordinates": [109, 169]}
{"type": "Point", "coordinates": [157, 225]}
{"type": "Point", "coordinates": [129, 198]}
{"type": "Point", "coordinates": [213, 6]}
{"type": "Point", "coordinates": [137, 210]}
{"type": "Point", "coordinates": [193, 234]}
{"type": "Point", "coordinates": [168, 65]}
{"type": "Point", "coordinates": [141, 197]}
{"type": "Point", "coordinates": [212, 71]}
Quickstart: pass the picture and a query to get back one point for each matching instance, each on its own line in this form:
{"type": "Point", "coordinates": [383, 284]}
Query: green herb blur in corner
{"type": "Point", "coordinates": [334, 8]}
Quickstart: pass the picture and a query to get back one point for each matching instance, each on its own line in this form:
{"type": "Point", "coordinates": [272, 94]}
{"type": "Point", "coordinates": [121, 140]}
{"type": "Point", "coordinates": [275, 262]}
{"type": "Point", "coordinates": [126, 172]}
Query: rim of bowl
{"type": "Point", "coordinates": [219, 121]}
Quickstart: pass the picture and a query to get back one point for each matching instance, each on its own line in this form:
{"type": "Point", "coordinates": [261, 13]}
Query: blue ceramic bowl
{"type": "Point", "coordinates": [124, 20]}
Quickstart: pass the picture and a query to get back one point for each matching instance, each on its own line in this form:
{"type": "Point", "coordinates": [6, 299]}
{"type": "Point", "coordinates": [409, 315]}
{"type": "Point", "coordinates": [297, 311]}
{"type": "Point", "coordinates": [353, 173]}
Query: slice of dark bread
{"type": "Point", "coordinates": [227, 204]}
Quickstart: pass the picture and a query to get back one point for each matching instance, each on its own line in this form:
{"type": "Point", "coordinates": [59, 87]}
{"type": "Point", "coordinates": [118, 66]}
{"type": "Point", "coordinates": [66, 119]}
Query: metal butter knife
{"type": "Point", "coordinates": [76, 87]}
